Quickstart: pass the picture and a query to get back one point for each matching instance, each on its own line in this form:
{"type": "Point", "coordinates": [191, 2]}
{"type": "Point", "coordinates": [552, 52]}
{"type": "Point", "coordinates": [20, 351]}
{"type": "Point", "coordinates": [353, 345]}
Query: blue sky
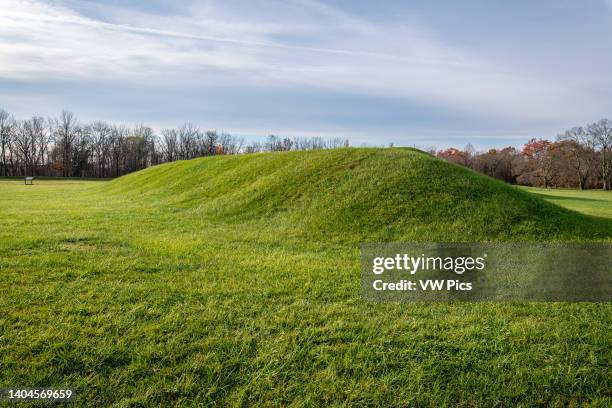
{"type": "Point", "coordinates": [425, 73]}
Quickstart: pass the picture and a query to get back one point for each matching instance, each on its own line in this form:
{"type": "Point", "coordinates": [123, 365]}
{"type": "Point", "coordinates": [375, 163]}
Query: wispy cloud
{"type": "Point", "coordinates": [299, 44]}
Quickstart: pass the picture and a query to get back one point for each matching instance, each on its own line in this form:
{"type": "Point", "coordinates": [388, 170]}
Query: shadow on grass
{"type": "Point", "coordinates": [598, 228]}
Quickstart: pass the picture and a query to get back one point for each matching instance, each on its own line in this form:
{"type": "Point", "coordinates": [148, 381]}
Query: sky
{"type": "Point", "coordinates": [413, 73]}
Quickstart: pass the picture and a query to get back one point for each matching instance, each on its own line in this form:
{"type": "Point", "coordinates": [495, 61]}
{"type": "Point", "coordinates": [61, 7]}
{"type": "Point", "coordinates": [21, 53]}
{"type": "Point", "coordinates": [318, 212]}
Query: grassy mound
{"type": "Point", "coordinates": [235, 281]}
{"type": "Point", "coordinates": [360, 194]}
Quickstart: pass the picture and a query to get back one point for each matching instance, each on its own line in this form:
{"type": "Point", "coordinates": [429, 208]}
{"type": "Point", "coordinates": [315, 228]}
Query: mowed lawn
{"type": "Point", "coordinates": [591, 202]}
{"type": "Point", "coordinates": [145, 299]}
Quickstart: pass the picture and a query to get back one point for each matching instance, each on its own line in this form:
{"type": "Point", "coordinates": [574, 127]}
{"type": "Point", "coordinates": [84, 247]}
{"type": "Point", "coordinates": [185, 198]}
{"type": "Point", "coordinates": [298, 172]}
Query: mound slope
{"type": "Point", "coordinates": [360, 195]}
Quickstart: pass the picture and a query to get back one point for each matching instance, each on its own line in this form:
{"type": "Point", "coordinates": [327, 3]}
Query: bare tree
{"type": "Point", "coordinates": [117, 144]}
{"type": "Point", "coordinates": [230, 144]}
{"type": "Point", "coordinates": [169, 145]}
{"type": "Point", "coordinates": [211, 139]}
{"type": "Point", "coordinates": [40, 140]}
{"type": "Point", "coordinates": [81, 152]}
{"type": "Point", "coordinates": [100, 134]}
{"type": "Point", "coordinates": [189, 141]}
{"type": "Point", "coordinates": [601, 132]}
{"type": "Point", "coordinates": [66, 134]}
{"type": "Point", "coordinates": [61, 146]}
{"type": "Point", "coordinates": [26, 146]}
{"type": "Point", "coordinates": [7, 125]}
{"type": "Point", "coordinates": [578, 148]}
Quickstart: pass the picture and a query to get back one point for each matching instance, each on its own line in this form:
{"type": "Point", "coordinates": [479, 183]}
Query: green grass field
{"type": "Point", "coordinates": [592, 202]}
{"type": "Point", "coordinates": [234, 280]}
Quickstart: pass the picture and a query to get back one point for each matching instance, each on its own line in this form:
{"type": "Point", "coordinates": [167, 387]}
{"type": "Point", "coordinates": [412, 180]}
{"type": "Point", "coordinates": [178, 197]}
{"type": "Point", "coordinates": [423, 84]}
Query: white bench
{"type": "Point", "coordinates": [30, 179]}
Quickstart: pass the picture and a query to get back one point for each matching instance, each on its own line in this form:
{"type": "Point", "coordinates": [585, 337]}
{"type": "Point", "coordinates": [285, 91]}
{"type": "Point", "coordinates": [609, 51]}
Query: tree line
{"type": "Point", "coordinates": [580, 157]}
{"type": "Point", "coordinates": [63, 146]}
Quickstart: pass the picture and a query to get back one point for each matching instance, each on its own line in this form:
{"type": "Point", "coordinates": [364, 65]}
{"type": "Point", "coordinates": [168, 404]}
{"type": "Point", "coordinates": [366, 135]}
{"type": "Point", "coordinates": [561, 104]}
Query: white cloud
{"type": "Point", "coordinates": [307, 44]}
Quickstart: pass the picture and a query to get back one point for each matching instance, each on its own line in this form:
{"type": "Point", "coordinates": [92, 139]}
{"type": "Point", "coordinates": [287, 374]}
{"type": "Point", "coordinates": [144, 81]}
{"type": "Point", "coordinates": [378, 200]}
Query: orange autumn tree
{"type": "Point", "coordinates": [536, 147]}
{"type": "Point", "coordinates": [539, 166]}
{"type": "Point", "coordinates": [454, 155]}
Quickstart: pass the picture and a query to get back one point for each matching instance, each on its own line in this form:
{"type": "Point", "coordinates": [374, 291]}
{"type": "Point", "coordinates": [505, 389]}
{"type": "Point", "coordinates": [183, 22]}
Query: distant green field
{"type": "Point", "coordinates": [592, 202]}
{"type": "Point", "coordinates": [234, 280]}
